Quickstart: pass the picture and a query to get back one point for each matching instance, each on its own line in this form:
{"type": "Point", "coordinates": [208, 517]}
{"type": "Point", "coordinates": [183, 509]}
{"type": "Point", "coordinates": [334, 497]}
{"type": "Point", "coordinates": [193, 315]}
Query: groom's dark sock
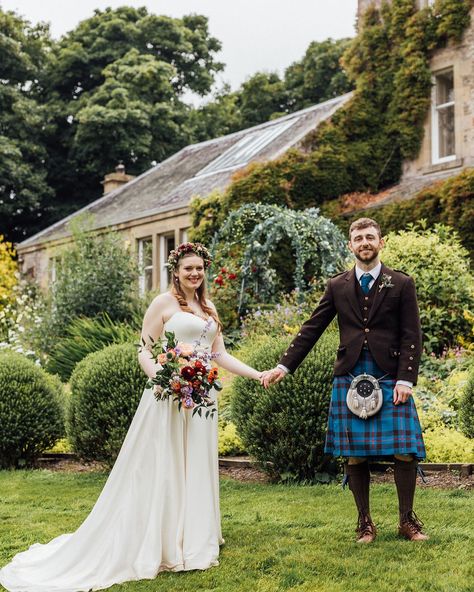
{"type": "Point", "coordinates": [359, 483]}
{"type": "Point", "coordinates": [405, 480]}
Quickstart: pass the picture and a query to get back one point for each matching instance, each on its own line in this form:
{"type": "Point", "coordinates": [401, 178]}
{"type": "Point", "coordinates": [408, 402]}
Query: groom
{"type": "Point", "coordinates": [380, 335]}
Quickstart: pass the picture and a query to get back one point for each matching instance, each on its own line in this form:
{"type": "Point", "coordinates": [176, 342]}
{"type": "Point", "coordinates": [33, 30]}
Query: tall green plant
{"type": "Point", "coordinates": [85, 336]}
{"type": "Point", "coordinates": [95, 274]}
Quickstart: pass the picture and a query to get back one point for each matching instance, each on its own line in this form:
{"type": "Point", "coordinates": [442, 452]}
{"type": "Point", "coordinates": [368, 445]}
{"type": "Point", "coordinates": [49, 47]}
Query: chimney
{"type": "Point", "coordinates": [114, 180]}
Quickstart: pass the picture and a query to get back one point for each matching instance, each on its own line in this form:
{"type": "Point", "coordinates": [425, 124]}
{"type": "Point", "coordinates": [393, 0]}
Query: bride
{"type": "Point", "coordinates": [159, 509]}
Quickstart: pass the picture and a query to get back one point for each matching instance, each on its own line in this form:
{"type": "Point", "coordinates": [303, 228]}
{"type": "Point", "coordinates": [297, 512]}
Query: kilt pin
{"type": "Point", "coordinates": [380, 334]}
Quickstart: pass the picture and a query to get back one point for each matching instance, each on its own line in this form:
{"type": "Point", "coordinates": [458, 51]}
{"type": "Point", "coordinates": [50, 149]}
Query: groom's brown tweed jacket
{"type": "Point", "coordinates": [391, 328]}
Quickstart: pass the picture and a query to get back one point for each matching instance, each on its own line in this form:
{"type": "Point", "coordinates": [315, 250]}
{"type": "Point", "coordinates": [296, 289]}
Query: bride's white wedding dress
{"type": "Point", "coordinates": [159, 509]}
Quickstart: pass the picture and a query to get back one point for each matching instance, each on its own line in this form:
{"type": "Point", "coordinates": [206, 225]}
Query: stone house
{"type": "Point", "coordinates": [448, 144]}
{"type": "Point", "coordinates": [152, 210]}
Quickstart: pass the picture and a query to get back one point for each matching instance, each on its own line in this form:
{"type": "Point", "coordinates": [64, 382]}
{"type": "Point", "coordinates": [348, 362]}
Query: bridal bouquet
{"type": "Point", "coordinates": [186, 374]}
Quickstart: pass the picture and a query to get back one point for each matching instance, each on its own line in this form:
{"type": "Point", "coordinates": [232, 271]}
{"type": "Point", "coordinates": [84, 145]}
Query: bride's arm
{"type": "Point", "coordinates": [151, 332]}
{"type": "Point", "coordinates": [227, 361]}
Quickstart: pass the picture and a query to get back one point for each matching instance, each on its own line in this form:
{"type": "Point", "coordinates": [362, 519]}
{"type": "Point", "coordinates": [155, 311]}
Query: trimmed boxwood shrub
{"type": "Point", "coordinates": [286, 424]}
{"type": "Point", "coordinates": [31, 410]}
{"type": "Point", "coordinates": [106, 387]}
{"type": "Point", "coordinates": [466, 410]}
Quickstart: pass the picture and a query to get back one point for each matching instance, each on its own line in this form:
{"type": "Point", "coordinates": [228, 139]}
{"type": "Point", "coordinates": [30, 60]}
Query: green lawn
{"type": "Point", "coordinates": [277, 537]}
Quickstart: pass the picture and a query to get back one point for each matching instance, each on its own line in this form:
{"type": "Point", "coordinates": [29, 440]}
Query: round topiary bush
{"type": "Point", "coordinates": [31, 410]}
{"type": "Point", "coordinates": [286, 424]}
{"type": "Point", "coordinates": [106, 387]}
{"type": "Point", "coordinates": [466, 410]}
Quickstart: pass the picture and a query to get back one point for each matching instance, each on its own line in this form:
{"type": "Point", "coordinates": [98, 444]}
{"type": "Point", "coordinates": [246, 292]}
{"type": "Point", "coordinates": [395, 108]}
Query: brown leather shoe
{"type": "Point", "coordinates": [366, 531]}
{"type": "Point", "coordinates": [411, 528]}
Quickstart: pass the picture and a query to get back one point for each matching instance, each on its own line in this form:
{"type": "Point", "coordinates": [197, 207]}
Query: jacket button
{"type": "Point", "coordinates": [286, 354]}
{"type": "Point", "coordinates": [294, 346]}
{"type": "Point", "coordinates": [367, 330]}
{"type": "Point", "coordinates": [299, 334]}
{"type": "Point", "coordinates": [411, 357]}
{"type": "Point", "coordinates": [412, 346]}
{"type": "Point", "coordinates": [366, 297]}
{"type": "Point", "coordinates": [410, 368]}
{"type": "Point", "coordinates": [365, 319]}
{"type": "Point", "coordinates": [365, 308]}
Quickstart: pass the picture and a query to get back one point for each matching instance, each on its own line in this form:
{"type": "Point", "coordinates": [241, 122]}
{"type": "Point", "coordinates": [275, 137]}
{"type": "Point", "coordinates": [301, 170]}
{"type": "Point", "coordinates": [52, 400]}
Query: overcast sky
{"type": "Point", "coordinates": [256, 35]}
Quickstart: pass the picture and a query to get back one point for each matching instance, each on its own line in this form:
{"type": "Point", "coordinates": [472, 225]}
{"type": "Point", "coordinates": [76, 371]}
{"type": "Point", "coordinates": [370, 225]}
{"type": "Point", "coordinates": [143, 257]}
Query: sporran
{"type": "Point", "coordinates": [365, 397]}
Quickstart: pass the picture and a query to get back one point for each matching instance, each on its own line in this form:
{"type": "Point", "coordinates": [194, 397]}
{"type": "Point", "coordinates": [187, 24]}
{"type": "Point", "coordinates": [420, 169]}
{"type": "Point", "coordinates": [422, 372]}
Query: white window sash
{"type": "Point", "coordinates": [435, 110]}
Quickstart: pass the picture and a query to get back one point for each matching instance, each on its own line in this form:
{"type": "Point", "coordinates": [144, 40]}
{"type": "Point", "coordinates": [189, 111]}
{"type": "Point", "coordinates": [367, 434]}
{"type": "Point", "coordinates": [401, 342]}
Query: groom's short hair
{"type": "Point", "coordinates": [362, 223]}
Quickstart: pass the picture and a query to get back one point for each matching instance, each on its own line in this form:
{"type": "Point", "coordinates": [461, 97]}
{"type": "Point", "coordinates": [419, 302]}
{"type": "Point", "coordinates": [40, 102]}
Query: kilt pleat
{"type": "Point", "coordinates": [395, 429]}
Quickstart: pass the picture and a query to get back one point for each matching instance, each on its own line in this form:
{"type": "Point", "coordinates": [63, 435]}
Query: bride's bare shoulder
{"type": "Point", "coordinates": [163, 303]}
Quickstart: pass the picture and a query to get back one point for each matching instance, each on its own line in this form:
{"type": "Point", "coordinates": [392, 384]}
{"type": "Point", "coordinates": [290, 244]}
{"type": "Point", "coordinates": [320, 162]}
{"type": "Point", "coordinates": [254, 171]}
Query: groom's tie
{"type": "Point", "coordinates": [365, 281]}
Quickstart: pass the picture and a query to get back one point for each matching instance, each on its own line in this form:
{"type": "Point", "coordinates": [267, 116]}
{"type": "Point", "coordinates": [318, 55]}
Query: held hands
{"type": "Point", "coordinates": [269, 377]}
{"type": "Point", "coordinates": [401, 394]}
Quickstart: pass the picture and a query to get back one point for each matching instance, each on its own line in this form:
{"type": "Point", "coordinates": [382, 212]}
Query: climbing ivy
{"type": "Point", "coordinates": [363, 146]}
{"type": "Point", "coordinates": [313, 247]}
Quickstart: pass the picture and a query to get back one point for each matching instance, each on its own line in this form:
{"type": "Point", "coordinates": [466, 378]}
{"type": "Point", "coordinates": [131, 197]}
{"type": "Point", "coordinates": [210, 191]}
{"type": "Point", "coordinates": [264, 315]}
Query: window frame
{"type": "Point", "coordinates": [435, 110]}
{"type": "Point", "coordinates": [143, 269]}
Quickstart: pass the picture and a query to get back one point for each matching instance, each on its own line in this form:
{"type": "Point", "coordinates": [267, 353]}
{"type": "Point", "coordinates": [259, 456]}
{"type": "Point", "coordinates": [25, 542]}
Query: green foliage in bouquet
{"type": "Point", "coordinates": [286, 424]}
{"type": "Point", "coordinates": [467, 406]}
{"type": "Point", "coordinates": [84, 336]}
{"type": "Point", "coordinates": [106, 387]}
{"type": "Point", "coordinates": [31, 410]}
{"type": "Point", "coordinates": [444, 283]}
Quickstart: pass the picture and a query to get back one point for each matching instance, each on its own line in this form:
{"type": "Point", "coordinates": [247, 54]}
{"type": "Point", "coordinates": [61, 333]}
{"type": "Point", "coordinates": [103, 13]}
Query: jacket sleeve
{"type": "Point", "coordinates": [310, 331]}
{"type": "Point", "coordinates": [410, 334]}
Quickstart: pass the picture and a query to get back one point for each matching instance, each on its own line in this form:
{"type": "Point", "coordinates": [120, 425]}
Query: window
{"type": "Point", "coordinates": [246, 148]}
{"type": "Point", "coordinates": [145, 262]}
{"type": "Point", "coordinates": [443, 133]}
{"type": "Point", "coordinates": [52, 270]}
{"type": "Point", "coordinates": [167, 244]}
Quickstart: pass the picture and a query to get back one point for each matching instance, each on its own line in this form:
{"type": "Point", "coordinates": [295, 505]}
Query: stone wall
{"type": "Point", "coordinates": [459, 57]}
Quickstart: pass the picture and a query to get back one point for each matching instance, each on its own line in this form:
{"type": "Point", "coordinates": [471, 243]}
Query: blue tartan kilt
{"type": "Point", "coordinates": [395, 429]}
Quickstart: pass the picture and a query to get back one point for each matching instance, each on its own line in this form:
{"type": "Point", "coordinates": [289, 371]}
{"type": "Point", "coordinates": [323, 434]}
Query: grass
{"type": "Point", "coordinates": [277, 537]}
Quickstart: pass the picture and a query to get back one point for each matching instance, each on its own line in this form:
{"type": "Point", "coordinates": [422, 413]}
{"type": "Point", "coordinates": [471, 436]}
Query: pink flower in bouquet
{"type": "Point", "coordinates": [162, 359]}
{"type": "Point", "coordinates": [185, 349]}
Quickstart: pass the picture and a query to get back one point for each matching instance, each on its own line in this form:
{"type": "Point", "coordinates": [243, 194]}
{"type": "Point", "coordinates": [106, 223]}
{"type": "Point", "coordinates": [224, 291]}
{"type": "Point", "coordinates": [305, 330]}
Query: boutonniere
{"type": "Point", "coordinates": [385, 282]}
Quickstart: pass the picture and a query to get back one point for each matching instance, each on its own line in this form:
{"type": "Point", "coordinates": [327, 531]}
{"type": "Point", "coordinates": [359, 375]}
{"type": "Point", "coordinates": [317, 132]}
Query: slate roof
{"type": "Point", "coordinates": [197, 169]}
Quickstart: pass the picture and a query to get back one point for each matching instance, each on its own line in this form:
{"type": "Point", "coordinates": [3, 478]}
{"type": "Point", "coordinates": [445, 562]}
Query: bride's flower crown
{"type": "Point", "coordinates": [186, 248]}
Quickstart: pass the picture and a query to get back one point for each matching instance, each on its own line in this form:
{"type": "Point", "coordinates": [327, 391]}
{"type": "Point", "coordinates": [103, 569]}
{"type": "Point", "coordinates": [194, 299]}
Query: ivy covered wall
{"type": "Point", "coordinates": [364, 145]}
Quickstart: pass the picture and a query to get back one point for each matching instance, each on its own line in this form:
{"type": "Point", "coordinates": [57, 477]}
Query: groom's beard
{"type": "Point", "coordinates": [369, 255]}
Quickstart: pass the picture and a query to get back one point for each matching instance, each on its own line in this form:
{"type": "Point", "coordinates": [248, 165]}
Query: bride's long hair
{"type": "Point", "coordinates": [201, 293]}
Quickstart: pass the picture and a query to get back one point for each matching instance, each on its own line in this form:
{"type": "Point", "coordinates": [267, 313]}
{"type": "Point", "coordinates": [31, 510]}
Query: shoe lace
{"type": "Point", "coordinates": [364, 525]}
{"type": "Point", "coordinates": [413, 522]}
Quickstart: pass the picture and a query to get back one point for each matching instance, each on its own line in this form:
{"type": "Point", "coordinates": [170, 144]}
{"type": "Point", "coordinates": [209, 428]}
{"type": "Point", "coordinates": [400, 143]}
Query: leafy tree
{"type": "Point", "coordinates": [113, 87]}
{"type": "Point", "coordinates": [95, 275]}
{"type": "Point", "coordinates": [23, 184]}
{"type": "Point", "coordinates": [218, 117]}
{"type": "Point", "coordinates": [262, 97]}
{"type": "Point", "coordinates": [318, 76]}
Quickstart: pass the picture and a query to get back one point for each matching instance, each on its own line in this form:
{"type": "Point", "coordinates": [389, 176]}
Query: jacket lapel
{"type": "Point", "coordinates": [350, 291]}
{"type": "Point", "coordinates": [380, 294]}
